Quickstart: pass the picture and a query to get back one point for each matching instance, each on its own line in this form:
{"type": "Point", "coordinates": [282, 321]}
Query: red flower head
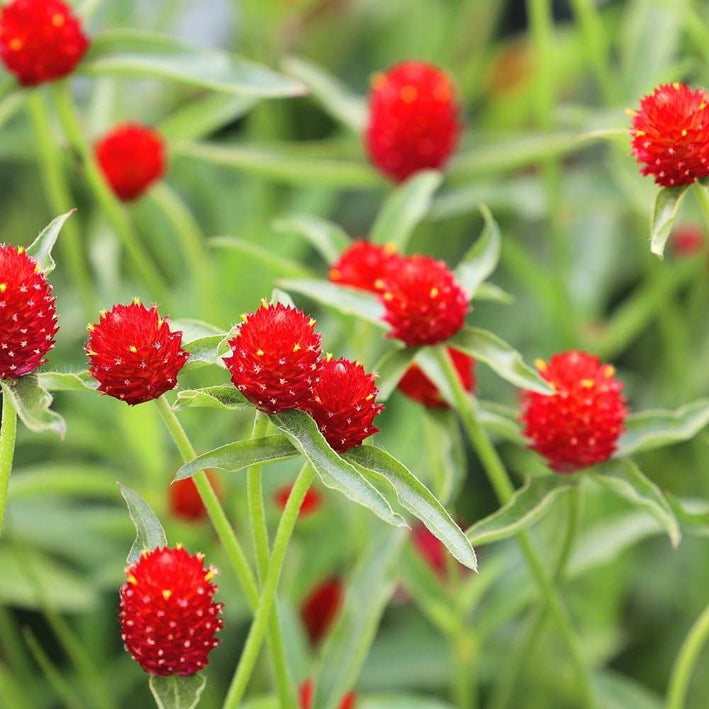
{"type": "Point", "coordinates": [274, 357]}
{"type": "Point", "coordinates": [132, 157]}
{"type": "Point", "coordinates": [321, 606]}
{"type": "Point", "coordinates": [671, 134]}
{"type": "Point", "coordinates": [133, 355]}
{"type": "Point", "coordinates": [416, 385]}
{"type": "Point", "coordinates": [40, 40]}
{"type": "Point", "coordinates": [305, 695]}
{"type": "Point", "coordinates": [579, 425]}
{"type": "Point", "coordinates": [28, 318]}
{"type": "Point", "coordinates": [311, 501]}
{"type": "Point", "coordinates": [413, 119]}
{"type": "Point", "coordinates": [424, 303]}
{"type": "Point", "coordinates": [184, 500]}
{"type": "Point", "coordinates": [687, 240]}
{"type": "Point", "coordinates": [343, 403]}
{"type": "Point", "coordinates": [364, 265]}
{"type": "Point", "coordinates": [168, 617]}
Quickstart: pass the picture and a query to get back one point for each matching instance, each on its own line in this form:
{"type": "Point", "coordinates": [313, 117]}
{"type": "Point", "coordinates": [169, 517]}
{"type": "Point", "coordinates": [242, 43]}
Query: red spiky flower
{"type": "Point", "coordinates": [28, 317]}
{"type": "Point", "coordinates": [311, 501]}
{"type": "Point", "coordinates": [320, 607]}
{"type": "Point", "coordinates": [40, 40]}
{"type": "Point", "coordinates": [687, 240]}
{"type": "Point", "coordinates": [671, 134]}
{"type": "Point", "coordinates": [364, 265]}
{"type": "Point", "coordinates": [424, 303]}
{"type": "Point", "coordinates": [132, 157]}
{"type": "Point", "coordinates": [580, 424]}
{"type": "Point", "coordinates": [133, 354]}
{"type": "Point", "coordinates": [184, 499]}
{"type": "Point", "coordinates": [274, 355]}
{"type": "Point", "coordinates": [167, 613]}
{"type": "Point", "coordinates": [413, 119]}
{"type": "Point", "coordinates": [343, 403]}
{"type": "Point", "coordinates": [305, 696]}
{"type": "Point", "coordinates": [416, 385]}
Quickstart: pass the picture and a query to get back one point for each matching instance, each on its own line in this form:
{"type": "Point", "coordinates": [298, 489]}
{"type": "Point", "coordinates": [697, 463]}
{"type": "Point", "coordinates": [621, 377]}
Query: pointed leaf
{"type": "Point", "coordinates": [327, 238]}
{"type": "Point", "coordinates": [482, 258]}
{"type": "Point", "coordinates": [67, 381]}
{"type": "Point", "coordinates": [692, 514]}
{"type": "Point", "coordinates": [663, 216]}
{"type": "Point", "coordinates": [500, 419]}
{"type": "Point", "coordinates": [206, 350]}
{"type": "Point", "coordinates": [417, 499]}
{"type": "Point", "coordinates": [192, 329]}
{"type": "Point", "coordinates": [334, 472]}
{"type": "Point", "coordinates": [223, 396]}
{"type": "Point", "coordinates": [391, 368]}
{"type": "Point", "coordinates": [32, 404]}
{"type": "Point", "coordinates": [177, 692]}
{"type": "Point", "coordinates": [280, 296]}
{"type": "Point", "coordinates": [149, 532]}
{"type": "Point", "coordinates": [493, 293]}
{"type": "Point", "coordinates": [41, 247]}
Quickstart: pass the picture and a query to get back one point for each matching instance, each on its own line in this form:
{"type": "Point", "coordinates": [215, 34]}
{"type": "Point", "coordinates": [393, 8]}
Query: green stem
{"type": "Point", "coordinates": [8, 433]}
{"type": "Point", "coordinates": [500, 481]}
{"type": "Point", "coordinates": [256, 635]}
{"type": "Point", "coordinates": [688, 654]}
{"type": "Point", "coordinates": [112, 208]}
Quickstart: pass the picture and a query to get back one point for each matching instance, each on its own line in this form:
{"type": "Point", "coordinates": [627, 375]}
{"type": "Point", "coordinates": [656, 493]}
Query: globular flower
{"type": "Point", "coordinates": [320, 608]}
{"type": "Point", "coordinates": [417, 386]}
{"type": "Point", "coordinates": [28, 317]}
{"type": "Point", "coordinates": [344, 403]}
{"type": "Point", "coordinates": [167, 612]}
{"type": "Point", "coordinates": [132, 158]}
{"type": "Point", "coordinates": [40, 40]}
{"type": "Point", "coordinates": [274, 355]}
{"type": "Point", "coordinates": [670, 134]}
{"type": "Point", "coordinates": [424, 303]}
{"type": "Point", "coordinates": [311, 502]}
{"type": "Point", "coordinates": [184, 500]}
{"type": "Point", "coordinates": [579, 425]}
{"type": "Point", "coordinates": [133, 354]}
{"type": "Point", "coordinates": [305, 696]}
{"type": "Point", "coordinates": [413, 119]}
{"type": "Point", "coordinates": [364, 265]}
{"type": "Point", "coordinates": [687, 240]}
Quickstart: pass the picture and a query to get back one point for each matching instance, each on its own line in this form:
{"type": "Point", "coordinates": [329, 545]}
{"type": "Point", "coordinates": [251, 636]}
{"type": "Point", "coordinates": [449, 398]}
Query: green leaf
{"type": "Point", "coordinates": [526, 506]}
{"type": "Point", "coordinates": [222, 396]}
{"type": "Point", "coordinates": [404, 209]}
{"type": "Point", "coordinates": [391, 368]}
{"type": "Point", "coordinates": [493, 293]}
{"type": "Point", "coordinates": [501, 419]}
{"type": "Point", "coordinates": [482, 258]}
{"type": "Point", "coordinates": [327, 238]}
{"type": "Point", "coordinates": [336, 99]}
{"type": "Point", "coordinates": [137, 54]}
{"type": "Point", "coordinates": [663, 217]}
{"type": "Point", "coordinates": [67, 381]}
{"type": "Point", "coordinates": [177, 692]}
{"type": "Point", "coordinates": [417, 499]}
{"type": "Point", "coordinates": [41, 247]}
{"type": "Point", "coordinates": [280, 265]}
{"type": "Point", "coordinates": [149, 532]}
{"type": "Point", "coordinates": [194, 329]}
{"type": "Point", "coordinates": [54, 480]}
{"type": "Point", "coordinates": [348, 301]}
{"type": "Point", "coordinates": [207, 350]}
{"type": "Point", "coordinates": [648, 430]}
{"type": "Point", "coordinates": [32, 404]}
{"type": "Point", "coordinates": [693, 515]}
{"type": "Point", "coordinates": [625, 479]}
{"type": "Point", "coordinates": [500, 357]}
{"type": "Point", "coordinates": [241, 454]}
{"type": "Point", "coordinates": [335, 473]}
{"type": "Point", "coordinates": [280, 296]}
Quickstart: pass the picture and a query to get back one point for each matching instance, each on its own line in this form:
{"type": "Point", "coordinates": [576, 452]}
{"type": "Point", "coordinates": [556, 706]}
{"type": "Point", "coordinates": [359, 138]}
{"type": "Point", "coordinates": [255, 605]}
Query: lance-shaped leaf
{"type": "Point", "coordinates": [41, 247]}
{"type": "Point", "coordinates": [648, 430]}
{"type": "Point", "coordinates": [482, 257]}
{"type": "Point", "coordinates": [663, 217]}
{"type": "Point", "coordinates": [137, 54]}
{"type": "Point", "coordinates": [149, 532]}
{"type": "Point", "coordinates": [500, 419]}
{"type": "Point", "coordinates": [625, 479]}
{"type": "Point", "coordinates": [280, 296]}
{"type": "Point", "coordinates": [526, 506]}
{"type": "Point", "coordinates": [693, 515]}
{"type": "Point", "coordinates": [280, 265]}
{"type": "Point", "coordinates": [405, 209]}
{"type": "Point", "coordinates": [222, 396]}
{"type": "Point", "coordinates": [67, 381]}
{"type": "Point", "coordinates": [327, 238]}
{"type": "Point", "coordinates": [207, 350]}
{"type": "Point", "coordinates": [32, 404]}
{"type": "Point", "coordinates": [239, 455]}
{"type": "Point", "coordinates": [391, 368]}
{"type": "Point", "coordinates": [493, 293]}
{"type": "Point", "coordinates": [177, 692]}
{"type": "Point", "coordinates": [334, 472]}
{"type": "Point", "coordinates": [500, 357]}
{"type": "Point", "coordinates": [416, 498]}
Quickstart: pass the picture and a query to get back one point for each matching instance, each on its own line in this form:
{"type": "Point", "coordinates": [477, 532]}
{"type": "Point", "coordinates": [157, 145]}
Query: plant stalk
{"type": "Point", "coordinates": [8, 434]}
{"type": "Point", "coordinates": [687, 658]}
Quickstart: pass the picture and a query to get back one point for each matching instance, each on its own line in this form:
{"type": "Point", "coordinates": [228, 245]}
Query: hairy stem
{"type": "Point", "coordinates": [8, 433]}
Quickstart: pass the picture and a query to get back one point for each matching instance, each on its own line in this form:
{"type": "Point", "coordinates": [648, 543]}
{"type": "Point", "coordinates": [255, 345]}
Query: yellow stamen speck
{"type": "Point", "coordinates": [15, 44]}
{"type": "Point", "coordinates": [684, 132]}
{"type": "Point", "coordinates": [630, 112]}
{"type": "Point", "coordinates": [160, 323]}
{"type": "Point", "coordinates": [90, 327]}
{"type": "Point", "coordinates": [311, 322]}
{"type": "Point", "coordinates": [608, 371]}
{"type": "Point", "coordinates": [180, 545]}
{"type": "Point", "coordinates": [390, 248]}
{"type": "Point", "coordinates": [244, 317]}
{"type": "Point", "coordinates": [388, 296]}
{"type": "Point", "coordinates": [265, 303]}
{"type": "Point", "coordinates": [434, 292]}
{"type": "Point", "coordinates": [540, 364]}
{"type": "Point", "coordinates": [166, 594]}
{"type": "Point", "coordinates": [328, 356]}
{"type": "Point", "coordinates": [587, 383]}
{"type": "Point", "coordinates": [640, 133]}
{"type": "Point", "coordinates": [58, 20]}
{"type": "Point", "coordinates": [676, 85]}
{"type": "Point", "coordinates": [296, 347]}
{"type": "Point", "coordinates": [378, 80]}
{"type": "Point", "coordinates": [132, 580]}
{"type": "Point", "coordinates": [209, 575]}
{"type": "Point", "coordinates": [103, 312]}
{"type": "Point", "coordinates": [133, 349]}
{"type": "Point", "coordinates": [91, 353]}
{"type": "Point", "coordinates": [3, 287]}
{"type": "Point", "coordinates": [136, 301]}
{"type": "Point", "coordinates": [702, 106]}
{"type": "Point", "coordinates": [259, 352]}
{"type": "Point", "coordinates": [408, 94]}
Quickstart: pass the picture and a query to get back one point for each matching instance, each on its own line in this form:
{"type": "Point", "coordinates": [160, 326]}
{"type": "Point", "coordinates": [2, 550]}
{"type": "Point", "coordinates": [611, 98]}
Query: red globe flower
{"type": "Point", "coordinates": [343, 403]}
{"type": "Point", "coordinates": [311, 501]}
{"type": "Point", "coordinates": [364, 265]}
{"type": "Point", "coordinates": [321, 606]}
{"type": "Point", "coordinates": [28, 317]}
{"type": "Point", "coordinates": [687, 240]}
{"type": "Point", "coordinates": [167, 613]}
{"type": "Point", "coordinates": [671, 134]}
{"type": "Point", "coordinates": [132, 157]}
{"type": "Point", "coordinates": [416, 385]}
{"type": "Point", "coordinates": [413, 119]}
{"type": "Point", "coordinates": [424, 303]}
{"type": "Point", "coordinates": [274, 357]}
{"type": "Point", "coordinates": [133, 355]}
{"type": "Point", "coordinates": [40, 40]}
{"type": "Point", "coordinates": [580, 424]}
{"type": "Point", "coordinates": [307, 690]}
{"type": "Point", "coordinates": [184, 500]}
